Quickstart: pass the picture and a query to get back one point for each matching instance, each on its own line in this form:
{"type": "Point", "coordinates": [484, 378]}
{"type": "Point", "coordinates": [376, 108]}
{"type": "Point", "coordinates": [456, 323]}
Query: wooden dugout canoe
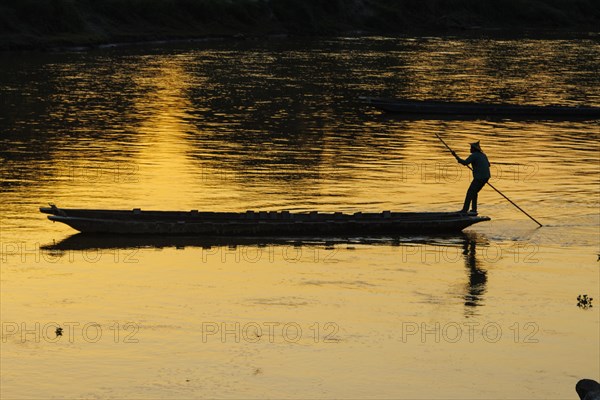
{"type": "Point", "coordinates": [263, 223]}
{"type": "Point", "coordinates": [448, 108]}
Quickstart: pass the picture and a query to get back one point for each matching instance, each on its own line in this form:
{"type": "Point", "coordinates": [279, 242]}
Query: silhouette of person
{"type": "Point", "coordinates": [481, 174]}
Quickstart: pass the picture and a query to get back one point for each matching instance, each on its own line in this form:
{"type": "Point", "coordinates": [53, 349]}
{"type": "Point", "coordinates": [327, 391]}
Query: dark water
{"type": "Point", "coordinates": [278, 125]}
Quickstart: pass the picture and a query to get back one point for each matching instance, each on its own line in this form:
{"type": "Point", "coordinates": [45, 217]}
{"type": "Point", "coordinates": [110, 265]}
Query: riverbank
{"type": "Point", "coordinates": [43, 24]}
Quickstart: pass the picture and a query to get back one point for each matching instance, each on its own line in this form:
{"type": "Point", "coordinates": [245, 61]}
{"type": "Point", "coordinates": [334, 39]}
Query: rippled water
{"type": "Point", "coordinates": [275, 125]}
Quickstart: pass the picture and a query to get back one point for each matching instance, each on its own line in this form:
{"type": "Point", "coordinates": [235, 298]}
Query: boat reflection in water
{"type": "Point", "coordinates": [86, 241]}
{"type": "Point", "coordinates": [462, 242]}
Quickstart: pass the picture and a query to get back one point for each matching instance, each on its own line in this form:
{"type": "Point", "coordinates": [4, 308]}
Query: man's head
{"type": "Point", "coordinates": [475, 147]}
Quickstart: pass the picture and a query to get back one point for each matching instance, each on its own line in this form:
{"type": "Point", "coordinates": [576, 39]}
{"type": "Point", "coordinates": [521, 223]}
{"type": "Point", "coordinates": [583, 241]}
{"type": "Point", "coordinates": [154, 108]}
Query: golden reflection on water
{"type": "Point", "coordinates": [162, 132]}
{"type": "Point", "coordinates": [275, 126]}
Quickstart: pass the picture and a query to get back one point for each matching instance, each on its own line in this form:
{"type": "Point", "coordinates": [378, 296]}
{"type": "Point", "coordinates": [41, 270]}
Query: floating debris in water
{"type": "Point", "coordinates": [58, 331]}
{"type": "Point", "coordinates": [584, 302]}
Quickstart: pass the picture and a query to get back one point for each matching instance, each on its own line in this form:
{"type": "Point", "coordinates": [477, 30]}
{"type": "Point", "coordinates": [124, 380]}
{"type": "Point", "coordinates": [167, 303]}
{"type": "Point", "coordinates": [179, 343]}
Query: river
{"type": "Point", "coordinates": [277, 125]}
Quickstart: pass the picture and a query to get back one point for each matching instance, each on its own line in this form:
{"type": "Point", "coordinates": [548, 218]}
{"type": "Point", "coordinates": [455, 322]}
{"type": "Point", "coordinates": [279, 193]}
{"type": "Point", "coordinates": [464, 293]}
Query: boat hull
{"type": "Point", "coordinates": [128, 222]}
{"type": "Point", "coordinates": [440, 108]}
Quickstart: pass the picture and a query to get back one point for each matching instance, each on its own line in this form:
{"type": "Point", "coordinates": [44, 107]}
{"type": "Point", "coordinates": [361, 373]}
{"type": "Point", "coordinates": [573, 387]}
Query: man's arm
{"type": "Point", "coordinates": [460, 160]}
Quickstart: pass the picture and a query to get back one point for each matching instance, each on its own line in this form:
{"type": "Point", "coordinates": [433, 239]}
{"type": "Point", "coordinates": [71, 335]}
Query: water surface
{"type": "Point", "coordinates": [276, 125]}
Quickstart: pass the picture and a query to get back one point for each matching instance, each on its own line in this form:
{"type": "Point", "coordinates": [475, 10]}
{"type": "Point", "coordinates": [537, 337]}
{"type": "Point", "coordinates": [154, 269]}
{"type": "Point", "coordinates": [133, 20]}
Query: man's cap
{"type": "Point", "coordinates": [476, 145]}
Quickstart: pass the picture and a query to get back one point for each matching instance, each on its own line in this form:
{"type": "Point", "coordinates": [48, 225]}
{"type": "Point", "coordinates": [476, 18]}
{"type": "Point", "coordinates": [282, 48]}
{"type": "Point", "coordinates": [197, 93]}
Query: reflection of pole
{"type": "Point", "coordinates": [490, 185]}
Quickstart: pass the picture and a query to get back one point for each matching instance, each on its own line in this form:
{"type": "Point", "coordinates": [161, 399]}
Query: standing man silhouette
{"type": "Point", "coordinates": [481, 174]}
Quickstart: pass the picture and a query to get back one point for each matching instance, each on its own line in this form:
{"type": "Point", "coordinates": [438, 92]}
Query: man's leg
{"type": "Point", "coordinates": [469, 197]}
{"type": "Point", "coordinates": [477, 185]}
{"type": "Point", "coordinates": [474, 202]}
{"type": "Point", "coordinates": [466, 204]}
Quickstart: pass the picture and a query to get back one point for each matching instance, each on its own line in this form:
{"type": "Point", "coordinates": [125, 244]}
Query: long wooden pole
{"type": "Point", "coordinates": [492, 186]}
